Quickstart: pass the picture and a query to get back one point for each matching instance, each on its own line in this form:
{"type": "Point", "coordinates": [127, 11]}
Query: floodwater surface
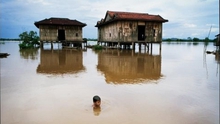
{"type": "Point", "coordinates": [179, 85]}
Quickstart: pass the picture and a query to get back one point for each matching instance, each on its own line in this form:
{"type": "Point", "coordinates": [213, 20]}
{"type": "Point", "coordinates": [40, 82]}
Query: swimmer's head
{"type": "Point", "coordinates": [96, 101]}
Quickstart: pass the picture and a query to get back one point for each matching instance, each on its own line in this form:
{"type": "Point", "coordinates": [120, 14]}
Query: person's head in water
{"type": "Point", "coordinates": [96, 101]}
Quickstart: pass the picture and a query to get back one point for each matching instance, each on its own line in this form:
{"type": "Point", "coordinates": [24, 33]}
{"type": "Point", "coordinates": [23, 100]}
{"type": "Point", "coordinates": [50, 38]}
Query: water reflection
{"type": "Point", "coordinates": [96, 111]}
{"type": "Point", "coordinates": [60, 61]}
{"type": "Point", "coordinates": [128, 67]}
{"type": "Point", "coordinates": [29, 53]}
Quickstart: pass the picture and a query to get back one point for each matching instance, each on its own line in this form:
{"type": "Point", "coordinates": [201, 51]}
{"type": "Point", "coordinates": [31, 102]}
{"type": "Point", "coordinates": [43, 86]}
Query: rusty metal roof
{"type": "Point", "coordinates": [131, 16]}
{"type": "Point", "coordinates": [59, 21]}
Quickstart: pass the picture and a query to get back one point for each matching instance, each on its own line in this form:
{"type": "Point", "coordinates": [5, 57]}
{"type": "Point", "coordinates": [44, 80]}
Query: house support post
{"type": "Point", "coordinates": [139, 46]}
{"type": "Point", "coordinates": [119, 45]}
{"type": "Point", "coordinates": [145, 47]}
{"type": "Point", "coordinates": [41, 44]}
{"type": "Point", "coordinates": [151, 48]}
{"type": "Point", "coordinates": [51, 44]}
{"type": "Point", "coordinates": [132, 45]}
{"type": "Point", "coordinates": [160, 48]}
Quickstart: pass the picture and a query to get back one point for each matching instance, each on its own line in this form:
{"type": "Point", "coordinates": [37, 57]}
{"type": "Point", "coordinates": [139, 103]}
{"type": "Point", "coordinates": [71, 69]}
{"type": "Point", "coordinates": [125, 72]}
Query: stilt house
{"type": "Point", "coordinates": [118, 28]}
{"type": "Point", "coordinates": [60, 29]}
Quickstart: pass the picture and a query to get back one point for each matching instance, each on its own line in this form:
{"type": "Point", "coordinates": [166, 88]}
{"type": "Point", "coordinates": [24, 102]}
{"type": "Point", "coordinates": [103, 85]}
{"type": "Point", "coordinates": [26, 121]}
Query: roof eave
{"type": "Point", "coordinates": [37, 24]}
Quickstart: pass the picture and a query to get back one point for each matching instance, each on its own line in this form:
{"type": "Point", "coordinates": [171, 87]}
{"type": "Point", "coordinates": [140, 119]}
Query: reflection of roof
{"type": "Point", "coordinates": [131, 16]}
{"type": "Point", "coordinates": [59, 21]}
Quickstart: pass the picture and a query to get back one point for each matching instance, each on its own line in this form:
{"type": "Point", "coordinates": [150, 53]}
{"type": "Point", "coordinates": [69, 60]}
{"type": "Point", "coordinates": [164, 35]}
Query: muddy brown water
{"type": "Point", "coordinates": [180, 85]}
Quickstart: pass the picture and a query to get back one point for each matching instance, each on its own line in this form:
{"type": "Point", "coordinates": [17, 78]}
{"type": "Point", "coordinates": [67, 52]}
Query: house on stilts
{"type": "Point", "coordinates": [64, 30]}
{"type": "Point", "coordinates": [125, 29]}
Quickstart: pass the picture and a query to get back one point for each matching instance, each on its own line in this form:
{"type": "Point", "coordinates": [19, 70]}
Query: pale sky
{"type": "Point", "coordinates": [187, 18]}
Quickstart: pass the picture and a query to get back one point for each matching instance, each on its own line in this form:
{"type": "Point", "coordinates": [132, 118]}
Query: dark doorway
{"type": "Point", "coordinates": [61, 34]}
{"type": "Point", "coordinates": [141, 32]}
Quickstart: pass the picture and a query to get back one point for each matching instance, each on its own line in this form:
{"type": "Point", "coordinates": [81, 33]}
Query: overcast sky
{"type": "Point", "coordinates": [187, 18]}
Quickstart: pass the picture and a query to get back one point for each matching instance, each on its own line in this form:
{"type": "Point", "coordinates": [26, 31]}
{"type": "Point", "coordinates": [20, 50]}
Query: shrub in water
{"type": "Point", "coordinates": [97, 47]}
{"type": "Point", "coordinates": [29, 40]}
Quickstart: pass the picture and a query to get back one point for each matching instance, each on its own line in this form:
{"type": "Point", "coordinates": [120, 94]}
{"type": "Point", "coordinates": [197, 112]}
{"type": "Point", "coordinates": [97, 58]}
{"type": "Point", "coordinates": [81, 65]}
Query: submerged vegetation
{"type": "Point", "coordinates": [97, 47]}
{"type": "Point", "coordinates": [29, 40]}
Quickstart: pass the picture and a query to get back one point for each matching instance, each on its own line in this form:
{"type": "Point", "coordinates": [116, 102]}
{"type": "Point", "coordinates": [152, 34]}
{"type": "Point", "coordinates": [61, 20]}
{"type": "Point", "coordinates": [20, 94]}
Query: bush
{"type": "Point", "coordinates": [195, 39]}
{"type": "Point", "coordinates": [29, 40]}
{"type": "Point", "coordinates": [98, 47]}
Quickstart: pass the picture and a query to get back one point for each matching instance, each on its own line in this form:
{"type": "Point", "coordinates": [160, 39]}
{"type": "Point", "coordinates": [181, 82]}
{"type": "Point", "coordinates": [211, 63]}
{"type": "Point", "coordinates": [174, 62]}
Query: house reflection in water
{"type": "Point", "coordinates": [60, 61]}
{"type": "Point", "coordinates": [121, 67]}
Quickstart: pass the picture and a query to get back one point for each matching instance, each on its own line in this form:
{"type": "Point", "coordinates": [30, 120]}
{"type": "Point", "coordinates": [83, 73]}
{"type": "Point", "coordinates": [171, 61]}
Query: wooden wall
{"type": "Point", "coordinates": [50, 33]}
{"type": "Point", "coordinates": [127, 31]}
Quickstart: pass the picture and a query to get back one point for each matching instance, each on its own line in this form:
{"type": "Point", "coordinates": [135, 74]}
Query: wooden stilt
{"type": "Point", "coordinates": [41, 44]}
{"type": "Point", "coordinates": [145, 47]}
{"type": "Point", "coordinates": [160, 48]}
{"type": "Point", "coordinates": [139, 47]}
{"type": "Point", "coordinates": [132, 45]}
{"type": "Point", "coordinates": [151, 47]}
{"type": "Point", "coordinates": [51, 44]}
{"type": "Point", "coordinates": [118, 45]}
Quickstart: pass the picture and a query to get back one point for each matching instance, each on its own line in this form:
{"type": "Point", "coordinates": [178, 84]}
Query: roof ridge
{"type": "Point", "coordinates": [58, 18]}
{"type": "Point", "coordinates": [128, 12]}
{"type": "Point", "coordinates": [59, 21]}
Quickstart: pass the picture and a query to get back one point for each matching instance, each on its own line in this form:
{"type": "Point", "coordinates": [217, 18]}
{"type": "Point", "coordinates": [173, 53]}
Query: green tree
{"type": "Point", "coordinates": [189, 39]}
{"type": "Point", "coordinates": [195, 39]}
{"type": "Point", "coordinates": [29, 40]}
{"type": "Point", "coordinates": [206, 39]}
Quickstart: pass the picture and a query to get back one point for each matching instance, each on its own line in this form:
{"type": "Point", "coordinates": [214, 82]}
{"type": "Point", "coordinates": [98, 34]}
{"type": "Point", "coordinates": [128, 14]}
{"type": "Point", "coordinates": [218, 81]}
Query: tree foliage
{"type": "Point", "coordinates": [29, 40]}
{"type": "Point", "coordinates": [195, 39]}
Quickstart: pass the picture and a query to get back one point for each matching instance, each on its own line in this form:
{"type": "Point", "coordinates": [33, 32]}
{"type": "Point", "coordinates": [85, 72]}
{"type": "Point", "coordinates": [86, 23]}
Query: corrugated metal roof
{"type": "Point", "coordinates": [59, 21]}
{"type": "Point", "coordinates": [115, 15]}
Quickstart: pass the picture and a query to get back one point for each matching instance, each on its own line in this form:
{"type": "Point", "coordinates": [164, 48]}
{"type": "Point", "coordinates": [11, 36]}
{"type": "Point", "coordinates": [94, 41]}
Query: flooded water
{"type": "Point", "coordinates": [180, 85]}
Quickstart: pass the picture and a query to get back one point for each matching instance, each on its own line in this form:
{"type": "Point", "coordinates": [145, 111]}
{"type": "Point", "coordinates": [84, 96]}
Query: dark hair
{"type": "Point", "coordinates": [96, 98]}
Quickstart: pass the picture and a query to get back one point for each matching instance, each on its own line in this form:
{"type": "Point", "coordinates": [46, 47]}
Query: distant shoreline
{"type": "Point", "coordinates": [164, 40]}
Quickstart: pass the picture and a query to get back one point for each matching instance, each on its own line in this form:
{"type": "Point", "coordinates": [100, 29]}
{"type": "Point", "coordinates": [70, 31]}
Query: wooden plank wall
{"type": "Point", "coordinates": [50, 33]}
{"type": "Point", "coordinates": [127, 31]}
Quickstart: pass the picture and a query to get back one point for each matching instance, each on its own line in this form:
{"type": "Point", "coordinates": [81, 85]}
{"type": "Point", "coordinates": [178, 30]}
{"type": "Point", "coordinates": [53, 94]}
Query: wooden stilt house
{"type": "Point", "coordinates": [128, 28]}
{"type": "Point", "coordinates": [60, 29]}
